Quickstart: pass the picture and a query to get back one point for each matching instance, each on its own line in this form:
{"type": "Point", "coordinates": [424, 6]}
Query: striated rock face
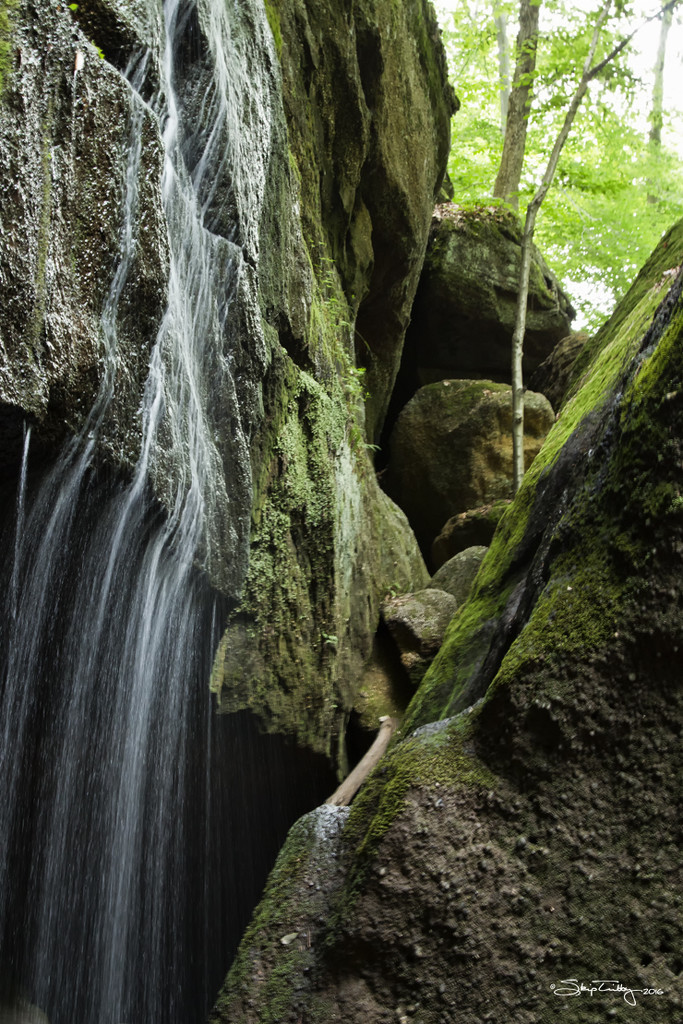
{"type": "Point", "coordinates": [451, 450]}
{"type": "Point", "coordinates": [464, 311]}
{"type": "Point", "coordinates": [368, 106]}
{"type": "Point", "coordinates": [527, 829]}
{"type": "Point", "coordinates": [65, 138]}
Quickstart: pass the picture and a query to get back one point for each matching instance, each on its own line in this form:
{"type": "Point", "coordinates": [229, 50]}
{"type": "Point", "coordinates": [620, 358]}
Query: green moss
{"type": "Point", "coordinates": [7, 8]}
{"type": "Point", "coordinates": [276, 657]}
{"type": "Point", "coordinates": [668, 254]}
{"type": "Point", "coordinates": [417, 762]}
{"type": "Point", "coordinates": [587, 589]}
{"type": "Point", "coordinates": [273, 16]}
{"type": "Point", "coordinates": [442, 758]}
{"type": "Point", "coordinates": [280, 906]}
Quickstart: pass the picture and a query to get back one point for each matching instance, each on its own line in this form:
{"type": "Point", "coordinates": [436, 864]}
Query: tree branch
{"type": "Point", "coordinates": [595, 71]}
{"type": "Point", "coordinates": [590, 71]}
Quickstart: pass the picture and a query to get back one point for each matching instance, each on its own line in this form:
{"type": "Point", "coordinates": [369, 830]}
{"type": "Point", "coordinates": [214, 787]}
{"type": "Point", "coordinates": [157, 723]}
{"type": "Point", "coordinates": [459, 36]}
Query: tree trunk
{"type": "Point", "coordinates": [589, 73]}
{"type": "Point", "coordinates": [656, 117]}
{"type": "Point", "coordinates": [527, 241]}
{"type": "Point", "coordinates": [657, 114]}
{"type": "Point", "coordinates": [500, 20]}
{"type": "Point", "coordinates": [510, 171]}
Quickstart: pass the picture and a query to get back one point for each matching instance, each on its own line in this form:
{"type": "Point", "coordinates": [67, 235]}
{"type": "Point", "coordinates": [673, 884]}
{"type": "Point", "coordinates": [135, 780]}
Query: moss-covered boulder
{"type": "Point", "coordinates": [457, 574]}
{"type": "Point", "coordinates": [464, 312]}
{"type": "Point", "coordinates": [451, 450]}
{"type": "Point", "coordinates": [528, 830]}
{"type": "Point", "coordinates": [417, 623]}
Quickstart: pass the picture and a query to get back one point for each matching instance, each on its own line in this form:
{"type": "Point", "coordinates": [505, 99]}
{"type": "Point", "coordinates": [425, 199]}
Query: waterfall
{"type": "Point", "coordinates": [106, 795]}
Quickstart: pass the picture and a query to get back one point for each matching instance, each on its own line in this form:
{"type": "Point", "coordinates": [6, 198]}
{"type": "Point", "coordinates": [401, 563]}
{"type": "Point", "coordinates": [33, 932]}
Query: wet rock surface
{"type": "Point", "coordinates": [65, 136]}
{"type": "Point", "coordinates": [325, 232]}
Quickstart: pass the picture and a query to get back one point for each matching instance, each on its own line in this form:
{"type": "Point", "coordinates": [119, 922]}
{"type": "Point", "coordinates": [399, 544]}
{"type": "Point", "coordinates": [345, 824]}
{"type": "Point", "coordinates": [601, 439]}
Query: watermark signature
{"type": "Point", "coordinates": [573, 987]}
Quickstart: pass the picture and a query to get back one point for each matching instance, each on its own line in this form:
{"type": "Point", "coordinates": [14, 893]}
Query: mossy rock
{"type": "Point", "coordinates": [465, 307]}
{"type": "Point", "coordinates": [451, 450]}
{"type": "Point", "coordinates": [417, 623]}
{"type": "Point", "coordinates": [553, 376]}
{"type": "Point", "coordinates": [505, 846]}
{"type": "Point", "coordinates": [475, 527]}
{"type": "Point", "coordinates": [583, 587]}
{"type": "Point", "coordinates": [458, 573]}
{"type": "Point", "coordinates": [65, 139]}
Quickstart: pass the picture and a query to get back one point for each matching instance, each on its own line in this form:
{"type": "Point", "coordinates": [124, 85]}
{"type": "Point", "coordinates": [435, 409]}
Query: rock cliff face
{"type": "Point", "coordinates": [526, 828]}
{"type": "Point", "coordinates": [214, 216]}
{"type": "Point", "coordinates": [367, 107]}
{"type": "Point", "coordinates": [65, 137]}
{"type": "Point", "coordinates": [323, 209]}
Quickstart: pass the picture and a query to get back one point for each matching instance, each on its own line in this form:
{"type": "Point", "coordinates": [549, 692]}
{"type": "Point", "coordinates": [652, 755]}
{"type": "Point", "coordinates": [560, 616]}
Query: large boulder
{"type": "Point", "coordinates": [468, 529]}
{"type": "Point", "coordinates": [417, 622]}
{"type": "Point", "coordinates": [456, 576]}
{"type": "Point", "coordinates": [464, 311]}
{"type": "Point", "coordinates": [451, 450]}
{"type": "Point", "coordinates": [552, 377]}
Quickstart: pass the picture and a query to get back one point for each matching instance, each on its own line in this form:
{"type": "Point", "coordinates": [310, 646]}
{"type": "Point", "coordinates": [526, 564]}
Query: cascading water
{"type": "Point", "coordinates": [109, 863]}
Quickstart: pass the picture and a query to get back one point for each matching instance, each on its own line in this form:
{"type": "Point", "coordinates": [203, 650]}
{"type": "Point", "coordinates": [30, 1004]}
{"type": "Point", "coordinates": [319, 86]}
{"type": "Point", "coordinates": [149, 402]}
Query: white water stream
{"type": "Point", "coordinates": [110, 625]}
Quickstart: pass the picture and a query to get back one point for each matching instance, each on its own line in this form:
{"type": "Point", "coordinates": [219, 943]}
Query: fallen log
{"type": "Point", "coordinates": [345, 792]}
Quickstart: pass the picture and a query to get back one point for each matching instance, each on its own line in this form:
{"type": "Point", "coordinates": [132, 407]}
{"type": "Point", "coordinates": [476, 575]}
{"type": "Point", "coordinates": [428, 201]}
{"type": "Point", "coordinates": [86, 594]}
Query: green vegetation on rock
{"type": "Point", "coordinates": [583, 592]}
{"type": "Point", "coordinates": [274, 22]}
{"type": "Point", "coordinates": [7, 7]}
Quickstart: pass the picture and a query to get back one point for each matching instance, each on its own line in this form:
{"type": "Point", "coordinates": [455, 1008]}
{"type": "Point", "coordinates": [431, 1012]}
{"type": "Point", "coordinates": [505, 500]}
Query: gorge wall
{"type": "Point", "coordinates": [516, 855]}
{"type": "Point", "coordinates": [214, 217]}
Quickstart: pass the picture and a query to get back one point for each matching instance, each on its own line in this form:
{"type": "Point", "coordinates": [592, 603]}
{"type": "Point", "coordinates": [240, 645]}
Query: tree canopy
{"type": "Point", "coordinates": [619, 183]}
